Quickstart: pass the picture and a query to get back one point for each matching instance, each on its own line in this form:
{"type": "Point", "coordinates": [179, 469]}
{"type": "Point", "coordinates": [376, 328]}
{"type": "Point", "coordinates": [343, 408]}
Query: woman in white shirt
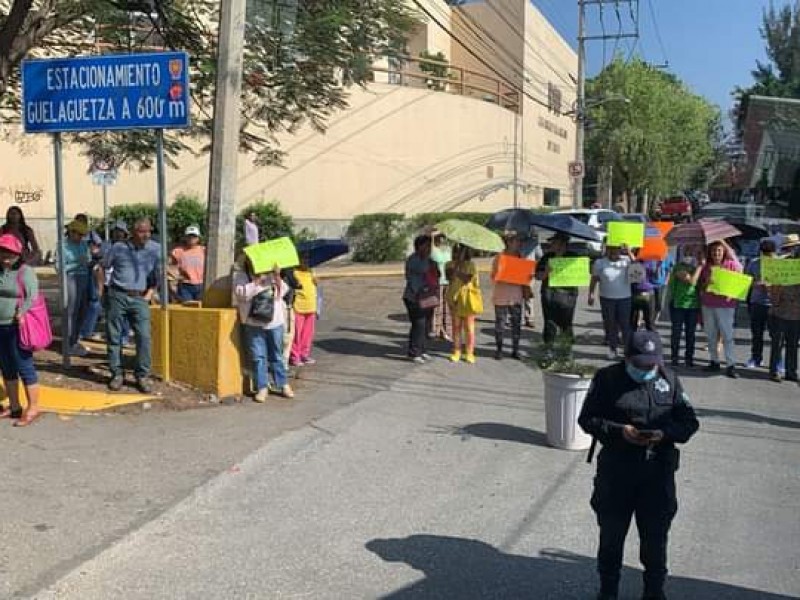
{"type": "Point", "coordinates": [262, 333]}
{"type": "Point", "coordinates": [611, 273]}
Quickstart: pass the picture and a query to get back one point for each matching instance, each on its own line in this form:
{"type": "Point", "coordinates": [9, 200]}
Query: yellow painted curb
{"type": "Point", "coordinates": [66, 401]}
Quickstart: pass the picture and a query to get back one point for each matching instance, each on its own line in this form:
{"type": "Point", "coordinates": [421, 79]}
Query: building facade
{"type": "Point", "coordinates": [454, 133]}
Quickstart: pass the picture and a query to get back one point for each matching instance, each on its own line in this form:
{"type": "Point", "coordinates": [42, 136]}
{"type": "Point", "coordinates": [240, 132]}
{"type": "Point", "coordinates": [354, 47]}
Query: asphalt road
{"type": "Point", "coordinates": [386, 480]}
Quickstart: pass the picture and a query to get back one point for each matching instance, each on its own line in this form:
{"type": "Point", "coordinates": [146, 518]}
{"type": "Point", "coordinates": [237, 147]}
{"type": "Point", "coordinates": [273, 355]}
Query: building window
{"type": "Point", "coordinates": [552, 197]}
{"type": "Point", "coordinates": [554, 98]}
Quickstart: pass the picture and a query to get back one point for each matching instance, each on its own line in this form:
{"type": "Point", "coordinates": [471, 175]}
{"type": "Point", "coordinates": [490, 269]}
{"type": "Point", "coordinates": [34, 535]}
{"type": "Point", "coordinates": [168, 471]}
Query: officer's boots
{"type": "Point", "coordinates": [498, 340]}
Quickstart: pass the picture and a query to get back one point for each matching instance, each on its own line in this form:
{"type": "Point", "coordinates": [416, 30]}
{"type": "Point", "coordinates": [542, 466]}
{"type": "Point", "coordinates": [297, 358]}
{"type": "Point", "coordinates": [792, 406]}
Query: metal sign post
{"type": "Point", "coordinates": [104, 174]}
{"type": "Point", "coordinates": [162, 238]}
{"type": "Point", "coordinates": [62, 273]}
{"type": "Point", "coordinates": [102, 93]}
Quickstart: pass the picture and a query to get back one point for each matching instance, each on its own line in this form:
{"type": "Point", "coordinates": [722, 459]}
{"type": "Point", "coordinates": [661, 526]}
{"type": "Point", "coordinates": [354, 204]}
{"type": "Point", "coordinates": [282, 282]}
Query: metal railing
{"type": "Point", "coordinates": [408, 71]}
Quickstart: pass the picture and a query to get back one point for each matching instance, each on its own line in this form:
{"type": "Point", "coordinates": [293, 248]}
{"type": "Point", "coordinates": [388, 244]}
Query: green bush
{"type": "Point", "coordinates": [272, 222]}
{"type": "Point", "coordinates": [185, 211]}
{"type": "Point", "coordinates": [130, 213]}
{"type": "Point", "coordinates": [423, 220]}
{"type": "Point", "coordinates": [379, 238]}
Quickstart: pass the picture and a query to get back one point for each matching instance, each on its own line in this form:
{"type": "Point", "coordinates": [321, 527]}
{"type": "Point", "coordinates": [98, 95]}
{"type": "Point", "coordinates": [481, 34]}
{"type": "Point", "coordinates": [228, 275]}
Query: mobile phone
{"type": "Point", "coordinates": [647, 433]}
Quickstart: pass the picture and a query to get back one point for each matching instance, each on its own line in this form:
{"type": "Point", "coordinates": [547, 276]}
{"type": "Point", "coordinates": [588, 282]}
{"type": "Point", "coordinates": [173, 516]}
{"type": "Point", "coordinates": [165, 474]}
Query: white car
{"type": "Point", "coordinates": [596, 218]}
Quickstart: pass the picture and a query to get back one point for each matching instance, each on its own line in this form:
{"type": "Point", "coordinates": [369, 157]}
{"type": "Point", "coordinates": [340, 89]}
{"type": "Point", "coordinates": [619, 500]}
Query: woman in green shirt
{"type": "Point", "coordinates": [15, 362]}
{"type": "Point", "coordinates": [685, 302]}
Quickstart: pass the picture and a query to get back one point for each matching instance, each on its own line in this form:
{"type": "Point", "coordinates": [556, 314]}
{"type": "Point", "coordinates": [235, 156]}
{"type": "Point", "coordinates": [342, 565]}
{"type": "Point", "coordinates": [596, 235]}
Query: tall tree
{"type": "Point", "coordinates": [301, 56]}
{"type": "Point", "coordinates": [659, 140]}
{"type": "Point", "coordinates": [780, 76]}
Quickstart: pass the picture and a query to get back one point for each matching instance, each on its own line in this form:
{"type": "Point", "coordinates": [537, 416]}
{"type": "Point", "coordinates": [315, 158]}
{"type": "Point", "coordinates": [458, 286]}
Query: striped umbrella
{"type": "Point", "coordinates": [701, 232]}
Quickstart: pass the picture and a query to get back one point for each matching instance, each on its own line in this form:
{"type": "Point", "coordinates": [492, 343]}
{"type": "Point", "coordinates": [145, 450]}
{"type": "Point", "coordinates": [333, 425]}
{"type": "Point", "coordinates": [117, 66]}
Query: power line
{"type": "Point", "coordinates": [658, 32]}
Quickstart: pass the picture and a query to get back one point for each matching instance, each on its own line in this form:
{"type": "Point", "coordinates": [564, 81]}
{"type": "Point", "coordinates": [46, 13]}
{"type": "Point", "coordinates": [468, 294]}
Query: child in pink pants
{"type": "Point", "coordinates": [305, 310]}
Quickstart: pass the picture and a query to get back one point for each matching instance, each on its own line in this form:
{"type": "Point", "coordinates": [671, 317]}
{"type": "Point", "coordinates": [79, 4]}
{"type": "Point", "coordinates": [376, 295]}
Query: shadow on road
{"type": "Point", "coordinates": [746, 416]}
{"type": "Point", "coordinates": [353, 347]}
{"type": "Point", "coordinates": [473, 570]}
{"type": "Point", "coordinates": [500, 432]}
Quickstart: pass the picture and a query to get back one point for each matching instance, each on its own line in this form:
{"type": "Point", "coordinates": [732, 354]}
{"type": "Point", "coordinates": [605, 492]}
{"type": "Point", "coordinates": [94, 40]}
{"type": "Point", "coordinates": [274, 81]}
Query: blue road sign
{"type": "Point", "coordinates": [96, 93]}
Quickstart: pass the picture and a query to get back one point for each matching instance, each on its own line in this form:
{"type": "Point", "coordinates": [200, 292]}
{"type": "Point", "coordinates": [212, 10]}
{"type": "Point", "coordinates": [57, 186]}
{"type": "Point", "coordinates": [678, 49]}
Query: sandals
{"type": "Point", "coordinates": [28, 419]}
{"type": "Point", "coordinates": [8, 413]}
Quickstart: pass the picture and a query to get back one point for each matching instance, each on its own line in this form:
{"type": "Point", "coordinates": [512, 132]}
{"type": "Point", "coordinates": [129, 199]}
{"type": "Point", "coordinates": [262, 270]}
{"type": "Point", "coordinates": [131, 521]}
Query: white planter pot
{"type": "Point", "coordinates": [563, 401]}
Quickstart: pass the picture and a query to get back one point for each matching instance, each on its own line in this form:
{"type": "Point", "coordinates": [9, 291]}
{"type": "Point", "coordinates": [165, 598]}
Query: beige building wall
{"type": "Point", "coordinates": [397, 148]}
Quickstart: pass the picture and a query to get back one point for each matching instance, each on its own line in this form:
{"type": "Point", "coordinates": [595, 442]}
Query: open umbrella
{"type": "Point", "coordinates": [518, 220]}
{"type": "Point", "coordinates": [701, 232]}
{"type": "Point", "coordinates": [566, 224]}
{"type": "Point", "coordinates": [471, 234]}
{"type": "Point", "coordinates": [321, 251]}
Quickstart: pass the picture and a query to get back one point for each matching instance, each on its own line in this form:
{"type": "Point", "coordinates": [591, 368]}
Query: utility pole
{"type": "Point", "coordinates": [577, 195]}
{"type": "Point", "coordinates": [516, 153]}
{"type": "Point", "coordinates": [221, 230]}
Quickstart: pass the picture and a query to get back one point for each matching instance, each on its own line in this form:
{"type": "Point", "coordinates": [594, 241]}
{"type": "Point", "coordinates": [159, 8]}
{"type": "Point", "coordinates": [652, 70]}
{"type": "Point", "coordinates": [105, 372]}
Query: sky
{"type": "Point", "coordinates": [712, 45]}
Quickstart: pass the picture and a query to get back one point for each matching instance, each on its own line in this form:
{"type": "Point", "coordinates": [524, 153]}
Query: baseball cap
{"type": "Point", "coordinates": [10, 242]}
{"type": "Point", "coordinates": [121, 225]}
{"type": "Point", "coordinates": [192, 230]}
{"type": "Point", "coordinates": [644, 349]}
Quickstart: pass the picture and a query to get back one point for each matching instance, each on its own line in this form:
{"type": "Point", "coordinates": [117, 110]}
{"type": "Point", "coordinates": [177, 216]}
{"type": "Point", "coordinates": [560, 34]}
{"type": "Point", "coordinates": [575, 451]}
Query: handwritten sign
{"type": "Point", "coordinates": [637, 273]}
{"type": "Point", "coordinates": [266, 255]}
{"type": "Point", "coordinates": [511, 269]}
{"type": "Point", "coordinates": [569, 272]}
{"type": "Point", "coordinates": [729, 284]}
{"type": "Point", "coordinates": [655, 248]}
{"type": "Point", "coordinates": [779, 271]}
{"type": "Point", "coordinates": [625, 234]}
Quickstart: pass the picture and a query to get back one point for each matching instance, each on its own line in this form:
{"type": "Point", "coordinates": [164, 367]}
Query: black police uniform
{"type": "Point", "coordinates": [635, 480]}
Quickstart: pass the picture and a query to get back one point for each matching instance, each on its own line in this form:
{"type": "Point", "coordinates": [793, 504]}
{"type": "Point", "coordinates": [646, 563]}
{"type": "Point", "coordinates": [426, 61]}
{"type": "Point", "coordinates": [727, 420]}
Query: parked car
{"type": "Point", "coordinates": [674, 208]}
{"type": "Point", "coordinates": [596, 218]}
{"type": "Point", "coordinates": [634, 218]}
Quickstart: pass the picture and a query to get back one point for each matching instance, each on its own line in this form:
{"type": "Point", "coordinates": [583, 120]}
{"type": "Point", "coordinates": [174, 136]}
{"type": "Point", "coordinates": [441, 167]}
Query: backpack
{"type": "Point", "coordinates": [34, 326]}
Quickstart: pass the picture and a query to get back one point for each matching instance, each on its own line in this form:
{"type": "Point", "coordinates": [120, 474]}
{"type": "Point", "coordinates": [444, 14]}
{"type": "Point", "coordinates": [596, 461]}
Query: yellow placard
{"type": "Point", "coordinates": [729, 284]}
{"type": "Point", "coordinates": [621, 233]}
{"type": "Point", "coordinates": [780, 271]}
{"type": "Point", "coordinates": [266, 255]}
{"type": "Point", "coordinates": [569, 272]}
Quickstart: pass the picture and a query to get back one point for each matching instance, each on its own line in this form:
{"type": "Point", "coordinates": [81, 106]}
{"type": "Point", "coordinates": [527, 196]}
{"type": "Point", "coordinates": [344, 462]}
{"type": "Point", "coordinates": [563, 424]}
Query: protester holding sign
{"type": "Point", "coordinates": [558, 303]}
{"type": "Point", "coordinates": [507, 299]}
{"type": "Point", "coordinates": [719, 311]}
{"type": "Point", "coordinates": [759, 303]}
{"type": "Point", "coordinates": [259, 297]}
{"type": "Point", "coordinates": [611, 274]}
{"type": "Point", "coordinates": [685, 302]}
{"type": "Point", "coordinates": [785, 314]}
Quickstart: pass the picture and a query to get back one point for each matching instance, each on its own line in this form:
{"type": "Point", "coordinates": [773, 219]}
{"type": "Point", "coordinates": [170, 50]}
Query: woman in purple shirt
{"type": "Point", "coordinates": [718, 311]}
{"type": "Point", "coordinates": [644, 294]}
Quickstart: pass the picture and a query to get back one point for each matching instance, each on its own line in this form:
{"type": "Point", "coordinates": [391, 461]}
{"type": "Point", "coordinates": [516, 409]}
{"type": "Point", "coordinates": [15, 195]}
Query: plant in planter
{"type": "Point", "coordinates": [566, 383]}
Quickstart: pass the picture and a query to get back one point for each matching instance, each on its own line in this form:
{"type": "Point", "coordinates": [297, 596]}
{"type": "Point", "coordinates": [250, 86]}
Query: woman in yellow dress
{"type": "Point", "coordinates": [465, 301]}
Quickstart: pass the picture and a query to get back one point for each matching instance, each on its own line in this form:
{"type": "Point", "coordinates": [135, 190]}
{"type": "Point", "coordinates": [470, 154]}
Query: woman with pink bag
{"type": "Point", "coordinates": [16, 363]}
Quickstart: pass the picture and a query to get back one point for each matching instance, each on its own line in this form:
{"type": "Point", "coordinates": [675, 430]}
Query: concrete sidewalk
{"type": "Point", "coordinates": [441, 486]}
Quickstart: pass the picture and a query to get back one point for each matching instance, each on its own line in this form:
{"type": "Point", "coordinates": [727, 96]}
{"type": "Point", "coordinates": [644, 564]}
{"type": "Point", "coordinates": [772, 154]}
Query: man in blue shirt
{"type": "Point", "coordinates": [133, 268]}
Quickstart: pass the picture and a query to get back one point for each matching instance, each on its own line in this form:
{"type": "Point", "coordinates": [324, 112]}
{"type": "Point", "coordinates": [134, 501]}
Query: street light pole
{"type": "Point", "coordinates": [516, 156]}
{"type": "Point", "coordinates": [577, 195]}
{"type": "Point", "coordinates": [221, 231]}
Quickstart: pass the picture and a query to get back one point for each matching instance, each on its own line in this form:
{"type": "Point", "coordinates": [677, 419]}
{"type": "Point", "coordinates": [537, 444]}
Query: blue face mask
{"type": "Point", "coordinates": [640, 376]}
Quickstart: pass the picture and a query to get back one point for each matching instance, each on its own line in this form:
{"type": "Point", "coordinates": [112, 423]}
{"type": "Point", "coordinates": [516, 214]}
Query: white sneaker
{"type": "Point", "coordinates": [612, 355]}
{"type": "Point", "coordinates": [261, 395]}
{"type": "Point", "coordinates": [78, 350]}
{"type": "Point", "coordinates": [426, 356]}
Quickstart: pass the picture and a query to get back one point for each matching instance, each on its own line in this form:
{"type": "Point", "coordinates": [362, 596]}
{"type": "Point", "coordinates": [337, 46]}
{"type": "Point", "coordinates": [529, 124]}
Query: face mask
{"type": "Point", "coordinates": [688, 260]}
{"type": "Point", "coordinates": [640, 376]}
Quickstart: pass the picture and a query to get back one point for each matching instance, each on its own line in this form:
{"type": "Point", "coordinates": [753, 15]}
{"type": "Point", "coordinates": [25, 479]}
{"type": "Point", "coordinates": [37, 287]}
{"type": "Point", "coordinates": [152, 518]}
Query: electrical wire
{"type": "Point", "coordinates": [658, 31]}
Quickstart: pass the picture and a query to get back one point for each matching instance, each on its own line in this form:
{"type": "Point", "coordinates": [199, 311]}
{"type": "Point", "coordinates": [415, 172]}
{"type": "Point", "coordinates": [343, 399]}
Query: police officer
{"type": "Point", "coordinates": [638, 411]}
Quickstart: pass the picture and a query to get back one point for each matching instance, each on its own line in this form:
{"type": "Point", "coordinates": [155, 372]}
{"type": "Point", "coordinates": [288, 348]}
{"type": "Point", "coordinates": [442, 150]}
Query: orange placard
{"type": "Point", "coordinates": [663, 226]}
{"type": "Point", "coordinates": [655, 248]}
{"type": "Point", "coordinates": [511, 269]}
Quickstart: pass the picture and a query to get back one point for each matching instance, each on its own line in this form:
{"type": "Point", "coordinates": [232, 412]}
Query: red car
{"type": "Point", "coordinates": [675, 208]}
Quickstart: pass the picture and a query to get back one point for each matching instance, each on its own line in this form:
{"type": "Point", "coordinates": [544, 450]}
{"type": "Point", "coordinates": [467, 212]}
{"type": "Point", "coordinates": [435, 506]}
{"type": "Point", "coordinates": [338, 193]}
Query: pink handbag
{"type": "Point", "coordinates": [34, 326]}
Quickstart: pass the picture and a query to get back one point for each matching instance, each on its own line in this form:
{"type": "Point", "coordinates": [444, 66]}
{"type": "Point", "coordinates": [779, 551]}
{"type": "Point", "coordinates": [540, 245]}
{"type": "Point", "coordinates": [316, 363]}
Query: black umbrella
{"type": "Point", "coordinates": [566, 224]}
{"type": "Point", "coordinates": [321, 251]}
{"type": "Point", "coordinates": [519, 220]}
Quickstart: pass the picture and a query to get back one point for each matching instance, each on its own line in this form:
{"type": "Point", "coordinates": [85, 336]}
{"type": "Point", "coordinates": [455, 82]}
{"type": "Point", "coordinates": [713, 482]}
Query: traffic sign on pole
{"type": "Point", "coordinates": [576, 169]}
{"type": "Point", "coordinates": [100, 93]}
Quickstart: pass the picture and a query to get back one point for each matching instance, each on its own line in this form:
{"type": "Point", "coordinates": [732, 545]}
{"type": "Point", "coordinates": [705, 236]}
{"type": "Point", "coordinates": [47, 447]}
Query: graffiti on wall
{"type": "Point", "coordinates": [21, 194]}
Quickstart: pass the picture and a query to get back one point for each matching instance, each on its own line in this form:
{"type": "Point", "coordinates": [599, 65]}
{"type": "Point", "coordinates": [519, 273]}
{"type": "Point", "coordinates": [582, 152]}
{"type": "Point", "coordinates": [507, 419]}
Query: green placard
{"type": "Point", "coordinates": [780, 271]}
{"type": "Point", "coordinates": [569, 272]}
{"type": "Point", "coordinates": [625, 234]}
{"type": "Point", "coordinates": [729, 284]}
{"type": "Point", "coordinates": [266, 255]}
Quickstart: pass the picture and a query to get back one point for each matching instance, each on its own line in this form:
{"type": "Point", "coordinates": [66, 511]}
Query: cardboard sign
{"type": "Point", "coordinates": [569, 272]}
{"type": "Point", "coordinates": [663, 226]}
{"type": "Point", "coordinates": [729, 284]}
{"type": "Point", "coordinates": [511, 269]}
{"type": "Point", "coordinates": [266, 255]}
{"type": "Point", "coordinates": [637, 273]}
{"type": "Point", "coordinates": [780, 271]}
{"type": "Point", "coordinates": [655, 248]}
{"type": "Point", "coordinates": [622, 233]}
